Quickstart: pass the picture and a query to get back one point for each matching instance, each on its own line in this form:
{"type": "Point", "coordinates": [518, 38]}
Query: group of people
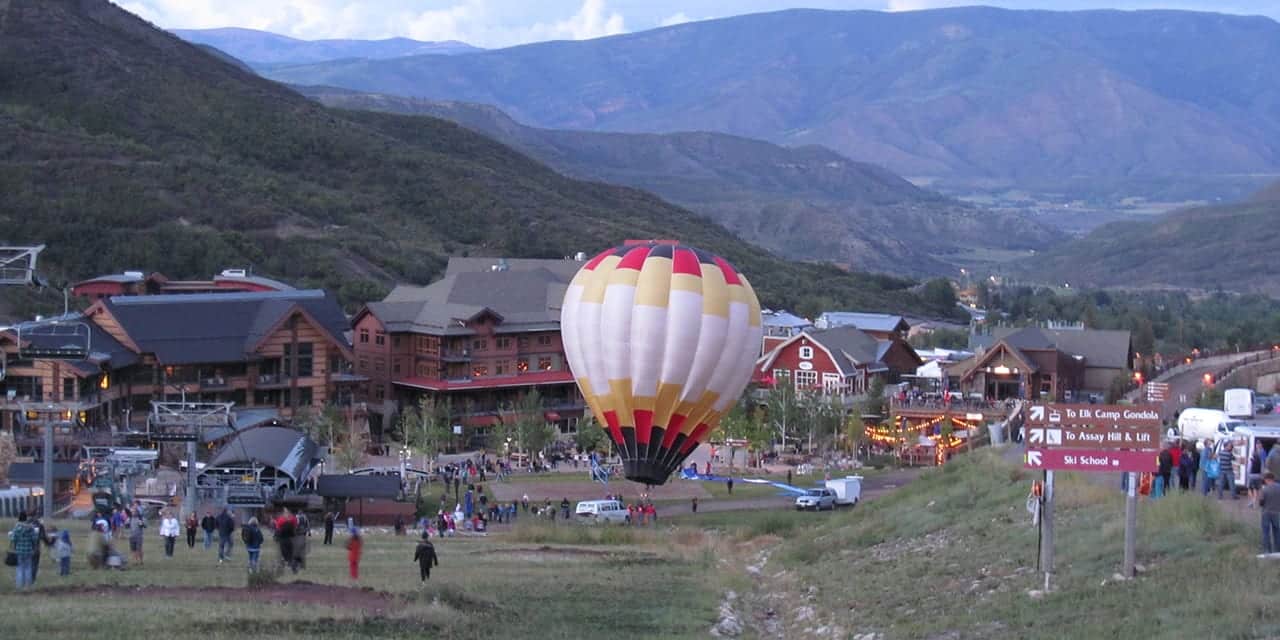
{"type": "Point", "coordinates": [27, 540]}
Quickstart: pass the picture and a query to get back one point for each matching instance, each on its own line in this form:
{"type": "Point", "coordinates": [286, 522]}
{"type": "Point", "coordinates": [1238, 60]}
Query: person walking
{"type": "Point", "coordinates": [1164, 471]}
{"type": "Point", "coordinates": [208, 524]}
{"type": "Point", "coordinates": [564, 508]}
{"type": "Point", "coordinates": [694, 505]}
{"type": "Point", "coordinates": [425, 556]}
{"type": "Point", "coordinates": [42, 540]}
{"type": "Point", "coordinates": [300, 535]}
{"type": "Point", "coordinates": [62, 551]}
{"type": "Point", "coordinates": [1253, 481]}
{"type": "Point", "coordinates": [1269, 502]}
{"type": "Point", "coordinates": [169, 531]}
{"type": "Point", "coordinates": [286, 528]}
{"type": "Point", "coordinates": [354, 546]}
{"type": "Point", "coordinates": [226, 527]}
{"type": "Point", "coordinates": [1186, 467]}
{"type": "Point", "coordinates": [328, 527]}
{"type": "Point", "coordinates": [1226, 474]}
{"type": "Point", "coordinates": [136, 526]}
{"type": "Point", "coordinates": [193, 525]}
{"type": "Point", "coordinates": [23, 541]}
{"type": "Point", "coordinates": [251, 535]}
{"type": "Point", "coordinates": [1208, 467]}
{"type": "Point", "coordinates": [729, 484]}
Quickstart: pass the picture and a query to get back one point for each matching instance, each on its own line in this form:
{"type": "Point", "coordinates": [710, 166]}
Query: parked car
{"type": "Point", "coordinates": [816, 499]}
{"type": "Point", "coordinates": [602, 511]}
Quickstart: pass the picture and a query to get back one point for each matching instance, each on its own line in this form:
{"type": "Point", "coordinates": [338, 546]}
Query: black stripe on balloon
{"type": "Point", "coordinates": [630, 452]}
{"type": "Point", "coordinates": [647, 472]}
{"type": "Point", "coordinates": [672, 455]}
{"type": "Point", "coordinates": [662, 251]}
{"type": "Point", "coordinates": [704, 257]}
{"type": "Point", "coordinates": [654, 450]}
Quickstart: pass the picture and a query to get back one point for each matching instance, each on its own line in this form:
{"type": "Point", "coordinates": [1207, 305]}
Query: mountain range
{"type": "Point", "coordinates": [977, 92]}
{"type": "Point", "coordinates": [1228, 247]}
{"type": "Point", "coordinates": [803, 202]}
{"type": "Point", "coordinates": [262, 48]}
{"type": "Point", "coordinates": [126, 147]}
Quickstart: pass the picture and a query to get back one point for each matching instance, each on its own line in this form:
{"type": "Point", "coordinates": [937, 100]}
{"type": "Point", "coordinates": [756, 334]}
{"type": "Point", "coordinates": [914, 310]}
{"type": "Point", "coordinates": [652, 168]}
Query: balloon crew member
{"type": "Point", "coordinates": [425, 556]}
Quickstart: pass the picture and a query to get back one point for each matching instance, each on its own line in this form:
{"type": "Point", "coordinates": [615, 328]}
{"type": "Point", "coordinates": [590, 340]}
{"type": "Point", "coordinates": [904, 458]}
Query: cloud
{"type": "Point", "coordinates": [675, 19]}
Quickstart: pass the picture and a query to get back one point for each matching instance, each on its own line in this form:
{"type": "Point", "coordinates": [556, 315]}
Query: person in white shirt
{"type": "Point", "coordinates": [169, 530]}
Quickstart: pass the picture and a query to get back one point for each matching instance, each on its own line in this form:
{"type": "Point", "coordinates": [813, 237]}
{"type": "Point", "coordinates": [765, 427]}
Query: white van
{"type": "Point", "coordinates": [1245, 440]}
{"type": "Point", "coordinates": [1197, 424]}
{"type": "Point", "coordinates": [605, 511]}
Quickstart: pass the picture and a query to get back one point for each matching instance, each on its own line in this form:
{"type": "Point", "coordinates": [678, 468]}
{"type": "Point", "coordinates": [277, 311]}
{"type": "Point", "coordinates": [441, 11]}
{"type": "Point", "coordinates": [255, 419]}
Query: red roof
{"type": "Point", "coordinates": [523, 380]}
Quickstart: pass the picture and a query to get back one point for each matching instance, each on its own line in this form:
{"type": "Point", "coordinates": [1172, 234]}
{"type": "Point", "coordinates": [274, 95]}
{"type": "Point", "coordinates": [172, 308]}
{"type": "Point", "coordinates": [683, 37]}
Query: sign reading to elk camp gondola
{"type": "Point", "coordinates": [1107, 437]}
{"type": "Point", "coordinates": [1092, 415]}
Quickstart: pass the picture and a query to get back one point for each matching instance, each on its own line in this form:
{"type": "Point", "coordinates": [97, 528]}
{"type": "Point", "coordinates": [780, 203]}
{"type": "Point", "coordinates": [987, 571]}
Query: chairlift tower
{"type": "Point", "coordinates": [184, 422]}
{"type": "Point", "coordinates": [18, 266]}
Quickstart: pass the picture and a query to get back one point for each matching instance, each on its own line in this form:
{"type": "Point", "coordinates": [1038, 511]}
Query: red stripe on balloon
{"type": "Point", "coordinates": [634, 258]}
{"type": "Point", "coordinates": [615, 429]}
{"type": "Point", "coordinates": [595, 262]}
{"type": "Point", "coordinates": [730, 275]}
{"type": "Point", "coordinates": [644, 425]}
{"type": "Point", "coordinates": [695, 438]}
{"type": "Point", "coordinates": [686, 262]}
{"type": "Point", "coordinates": [673, 430]}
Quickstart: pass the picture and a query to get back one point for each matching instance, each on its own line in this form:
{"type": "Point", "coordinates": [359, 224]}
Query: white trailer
{"type": "Point", "coordinates": [1238, 403]}
{"type": "Point", "coordinates": [1245, 440]}
{"type": "Point", "coordinates": [848, 489]}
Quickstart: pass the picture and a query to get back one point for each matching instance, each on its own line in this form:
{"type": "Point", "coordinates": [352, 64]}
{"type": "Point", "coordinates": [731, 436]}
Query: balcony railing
{"type": "Point", "coordinates": [455, 355]}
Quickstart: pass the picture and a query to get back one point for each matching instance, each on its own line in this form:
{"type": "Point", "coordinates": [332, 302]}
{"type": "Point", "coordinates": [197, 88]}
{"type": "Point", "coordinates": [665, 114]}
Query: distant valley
{"type": "Point", "coordinates": [972, 94]}
{"type": "Point", "coordinates": [806, 202]}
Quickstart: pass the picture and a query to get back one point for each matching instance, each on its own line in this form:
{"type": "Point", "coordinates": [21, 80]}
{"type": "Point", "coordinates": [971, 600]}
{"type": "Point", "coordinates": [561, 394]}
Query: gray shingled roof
{"type": "Point", "coordinates": [563, 268]}
{"type": "Point", "coordinates": [285, 449]}
{"type": "Point", "coordinates": [1099, 348]}
{"type": "Point", "coordinates": [216, 327]}
{"type": "Point", "coordinates": [526, 299]}
{"type": "Point", "coordinates": [855, 346]}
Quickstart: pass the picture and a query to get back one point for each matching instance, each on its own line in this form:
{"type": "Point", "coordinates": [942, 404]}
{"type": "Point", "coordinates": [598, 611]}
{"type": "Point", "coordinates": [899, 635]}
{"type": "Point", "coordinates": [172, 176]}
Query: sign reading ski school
{"type": "Point", "coordinates": [1092, 415]}
{"type": "Point", "coordinates": [1077, 460]}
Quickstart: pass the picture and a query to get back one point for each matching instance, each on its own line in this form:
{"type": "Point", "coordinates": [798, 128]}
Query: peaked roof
{"type": "Point", "coordinates": [1099, 348]}
{"type": "Point", "coordinates": [288, 450]}
{"type": "Point", "coordinates": [849, 347]}
{"type": "Point", "coordinates": [864, 321]}
{"type": "Point", "coordinates": [218, 327]}
{"type": "Point", "coordinates": [526, 299]}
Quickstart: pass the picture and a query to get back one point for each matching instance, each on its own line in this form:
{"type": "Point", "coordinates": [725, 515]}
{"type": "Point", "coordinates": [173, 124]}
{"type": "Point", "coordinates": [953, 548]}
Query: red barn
{"type": "Point", "coordinates": [837, 361]}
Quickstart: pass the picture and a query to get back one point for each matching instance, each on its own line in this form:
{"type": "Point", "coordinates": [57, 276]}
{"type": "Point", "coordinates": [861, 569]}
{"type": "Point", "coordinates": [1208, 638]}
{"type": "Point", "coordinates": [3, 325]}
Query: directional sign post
{"type": "Point", "coordinates": [1113, 437]}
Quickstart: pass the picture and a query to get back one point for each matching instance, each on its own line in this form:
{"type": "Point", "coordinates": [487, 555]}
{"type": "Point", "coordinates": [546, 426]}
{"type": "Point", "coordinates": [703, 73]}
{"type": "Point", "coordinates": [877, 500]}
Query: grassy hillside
{"type": "Point", "coordinates": [126, 147]}
{"type": "Point", "coordinates": [806, 202]}
{"type": "Point", "coordinates": [1229, 247]}
{"type": "Point", "coordinates": [968, 92]}
{"type": "Point", "coordinates": [953, 555]}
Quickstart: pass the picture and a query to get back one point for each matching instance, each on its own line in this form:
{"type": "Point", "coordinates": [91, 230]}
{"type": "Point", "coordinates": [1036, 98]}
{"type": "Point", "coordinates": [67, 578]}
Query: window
{"type": "Point", "coordinates": [522, 365]}
{"type": "Point", "coordinates": [781, 374]}
{"type": "Point", "coordinates": [480, 345]}
{"type": "Point", "coordinates": [806, 380]}
{"type": "Point", "coordinates": [395, 366]}
{"type": "Point", "coordinates": [832, 383]}
{"type": "Point", "coordinates": [379, 365]}
{"type": "Point", "coordinates": [479, 372]}
{"type": "Point", "coordinates": [544, 340]}
{"type": "Point", "coordinates": [305, 359]}
{"type": "Point", "coordinates": [363, 365]}
{"type": "Point", "coordinates": [305, 397]}
{"type": "Point", "coordinates": [364, 336]}
{"type": "Point", "coordinates": [523, 342]}
{"type": "Point", "coordinates": [503, 343]}
{"type": "Point", "coordinates": [395, 341]}
{"type": "Point", "coordinates": [68, 388]}
{"type": "Point", "coordinates": [424, 370]}
{"type": "Point", "coordinates": [379, 393]}
{"type": "Point", "coordinates": [379, 338]}
{"type": "Point", "coordinates": [503, 366]}
{"type": "Point", "coordinates": [544, 364]}
{"type": "Point", "coordinates": [806, 353]}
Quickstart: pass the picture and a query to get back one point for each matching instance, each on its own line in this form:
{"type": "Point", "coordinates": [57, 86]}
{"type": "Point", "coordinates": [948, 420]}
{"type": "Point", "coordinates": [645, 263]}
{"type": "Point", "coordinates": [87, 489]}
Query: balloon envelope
{"type": "Point", "coordinates": [662, 339]}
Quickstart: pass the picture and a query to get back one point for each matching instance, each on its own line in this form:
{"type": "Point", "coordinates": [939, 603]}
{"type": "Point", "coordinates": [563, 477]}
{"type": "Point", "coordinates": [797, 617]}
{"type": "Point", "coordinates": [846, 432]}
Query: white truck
{"type": "Point", "coordinates": [1238, 403]}
{"type": "Point", "coordinates": [848, 489]}
{"type": "Point", "coordinates": [1197, 424]}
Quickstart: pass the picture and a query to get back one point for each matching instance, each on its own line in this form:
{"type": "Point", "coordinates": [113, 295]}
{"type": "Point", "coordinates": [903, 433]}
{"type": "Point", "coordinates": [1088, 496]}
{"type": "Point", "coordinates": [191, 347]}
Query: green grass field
{"type": "Point", "coordinates": [623, 583]}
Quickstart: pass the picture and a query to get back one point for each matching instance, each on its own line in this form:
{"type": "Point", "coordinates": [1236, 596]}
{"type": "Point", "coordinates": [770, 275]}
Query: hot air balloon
{"type": "Point", "coordinates": [662, 339]}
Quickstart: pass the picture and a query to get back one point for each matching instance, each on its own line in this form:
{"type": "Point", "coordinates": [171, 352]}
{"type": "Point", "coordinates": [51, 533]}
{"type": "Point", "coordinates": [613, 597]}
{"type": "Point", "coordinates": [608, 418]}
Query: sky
{"type": "Point", "coordinates": [502, 23]}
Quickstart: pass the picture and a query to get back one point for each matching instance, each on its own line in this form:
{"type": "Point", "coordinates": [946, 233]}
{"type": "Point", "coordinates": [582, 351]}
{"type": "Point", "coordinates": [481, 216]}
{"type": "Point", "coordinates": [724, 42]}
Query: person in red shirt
{"type": "Point", "coordinates": [354, 547]}
{"type": "Point", "coordinates": [651, 513]}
